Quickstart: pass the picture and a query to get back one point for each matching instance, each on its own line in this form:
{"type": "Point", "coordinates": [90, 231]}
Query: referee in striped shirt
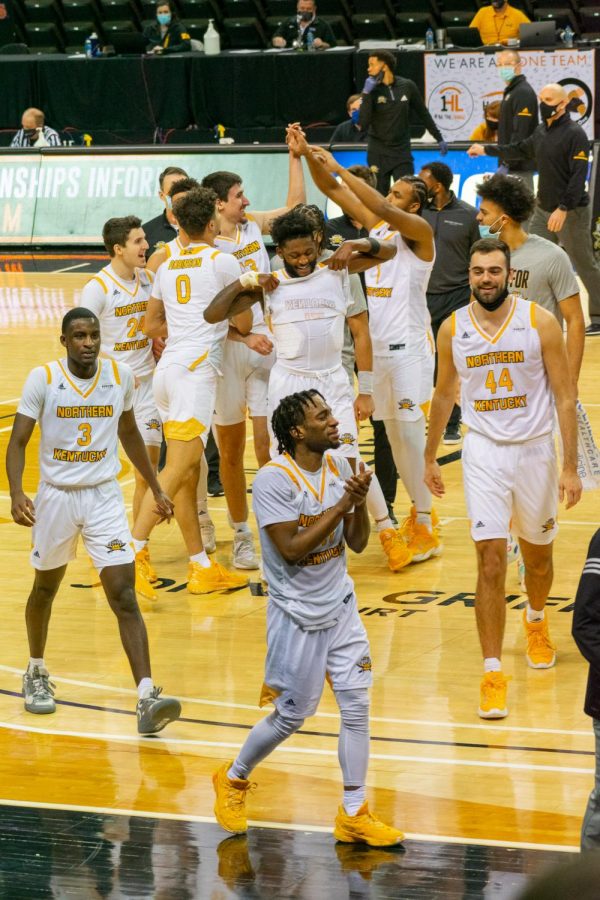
{"type": "Point", "coordinates": [586, 631]}
{"type": "Point", "coordinates": [34, 133]}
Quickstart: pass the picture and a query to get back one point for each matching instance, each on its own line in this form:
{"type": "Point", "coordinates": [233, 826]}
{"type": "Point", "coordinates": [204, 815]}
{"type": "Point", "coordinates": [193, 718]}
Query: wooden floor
{"type": "Point", "coordinates": [436, 769]}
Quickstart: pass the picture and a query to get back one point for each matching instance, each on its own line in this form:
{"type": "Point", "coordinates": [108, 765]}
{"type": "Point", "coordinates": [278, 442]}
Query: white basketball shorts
{"type": "Point", "coordinates": [402, 385]}
{"type": "Point", "coordinates": [243, 388]}
{"type": "Point", "coordinates": [146, 413]}
{"type": "Point", "coordinates": [185, 400]}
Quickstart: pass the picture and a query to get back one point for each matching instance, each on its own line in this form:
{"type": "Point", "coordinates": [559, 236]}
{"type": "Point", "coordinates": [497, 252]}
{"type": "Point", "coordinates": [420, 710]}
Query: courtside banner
{"type": "Point", "coordinates": [457, 85]}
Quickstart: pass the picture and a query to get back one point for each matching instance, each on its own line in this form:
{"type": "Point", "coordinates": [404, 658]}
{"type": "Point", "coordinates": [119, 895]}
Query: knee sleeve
{"type": "Point", "coordinates": [283, 726]}
{"type": "Point", "coordinates": [354, 709]}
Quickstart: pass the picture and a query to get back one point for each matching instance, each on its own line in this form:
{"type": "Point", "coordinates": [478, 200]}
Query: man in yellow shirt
{"type": "Point", "coordinates": [498, 22]}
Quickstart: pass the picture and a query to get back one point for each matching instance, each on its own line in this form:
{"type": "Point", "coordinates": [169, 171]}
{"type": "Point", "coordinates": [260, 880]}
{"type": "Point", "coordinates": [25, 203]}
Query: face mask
{"type": "Point", "coordinates": [497, 4]}
{"type": "Point", "coordinates": [486, 232]}
{"type": "Point", "coordinates": [164, 18]}
{"type": "Point", "coordinates": [354, 116]}
{"type": "Point", "coordinates": [507, 73]}
{"type": "Point", "coordinates": [493, 126]}
{"type": "Point", "coordinates": [496, 304]}
{"type": "Point", "coordinates": [31, 133]}
{"type": "Point", "coordinates": [305, 16]}
{"type": "Point", "coordinates": [547, 111]}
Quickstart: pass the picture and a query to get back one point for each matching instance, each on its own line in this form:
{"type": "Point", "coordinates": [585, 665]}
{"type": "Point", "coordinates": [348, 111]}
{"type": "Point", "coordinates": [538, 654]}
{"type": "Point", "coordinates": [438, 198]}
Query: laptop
{"type": "Point", "coordinates": [463, 36]}
{"type": "Point", "coordinates": [537, 34]}
{"type": "Point", "coordinates": [127, 43]}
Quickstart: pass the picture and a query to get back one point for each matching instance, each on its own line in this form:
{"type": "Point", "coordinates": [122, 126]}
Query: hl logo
{"type": "Point", "coordinates": [451, 101]}
{"type": "Point", "coordinates": [548, 525]}
{"type": "Point", "coordinates": [153, 425]}
{"type": "Point", "coordinates": [365, 664]}
{"type": "Point", "coordinates": [115, 545]}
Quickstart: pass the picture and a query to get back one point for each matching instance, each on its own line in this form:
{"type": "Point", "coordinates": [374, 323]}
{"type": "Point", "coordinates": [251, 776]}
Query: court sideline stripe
{"type": "Point", "coordinates": [325, 734]}
{"type": "Point", "coordinates": [282, 826]}
{"type": "Point", "coordinates": [478, 726]}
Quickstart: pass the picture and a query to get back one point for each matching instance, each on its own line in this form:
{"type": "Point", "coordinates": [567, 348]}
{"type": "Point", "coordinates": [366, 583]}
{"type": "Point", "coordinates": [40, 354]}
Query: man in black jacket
{"type": "Point", "coordinates": [350, 132]}
{"type": "Point", "coordinates": [160, 230]}
{"type": "Point", "coordinates": [518, 113]}
{"type": "Point", "coordinates": [560, 148]}
{"type": "Point", "coordinates": [298, 30]}
{"type": "Point", "coordinates": [387, 103]}
{"type": "Point", "coordinates": [586, 632]}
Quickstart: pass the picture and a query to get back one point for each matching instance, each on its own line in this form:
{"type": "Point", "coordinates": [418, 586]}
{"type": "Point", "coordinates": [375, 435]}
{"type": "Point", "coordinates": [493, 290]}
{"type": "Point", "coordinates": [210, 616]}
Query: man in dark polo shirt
{"type": "Point", "coordinates": [455, 228]}
{"type": "Point", "coordinates": [305, 27]}
{"type": "Point", "coordinates": [561, 149]}
{"type": "Point", "coordinates": [161, 230]}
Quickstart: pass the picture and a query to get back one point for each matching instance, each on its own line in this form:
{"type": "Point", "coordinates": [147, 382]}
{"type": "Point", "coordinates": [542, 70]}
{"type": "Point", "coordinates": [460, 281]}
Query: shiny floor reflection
{"type": "Point", "coordinates": [50, 853]}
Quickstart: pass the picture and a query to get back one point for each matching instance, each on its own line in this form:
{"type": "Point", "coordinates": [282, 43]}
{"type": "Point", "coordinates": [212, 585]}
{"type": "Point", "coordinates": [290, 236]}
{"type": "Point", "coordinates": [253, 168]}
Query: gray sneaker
{"type": "Point", "coordinates": [208, 534]}
{"type": "Point", "coordinates": [154, 712]}
{"type": "Point", "coordinates": [244, 554]}
{"type": "Point", "coordinates": [38, 692]}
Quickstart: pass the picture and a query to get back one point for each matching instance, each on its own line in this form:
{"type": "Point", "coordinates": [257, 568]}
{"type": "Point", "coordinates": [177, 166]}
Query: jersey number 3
{"type": "Point", "coordinates": [86, 434]}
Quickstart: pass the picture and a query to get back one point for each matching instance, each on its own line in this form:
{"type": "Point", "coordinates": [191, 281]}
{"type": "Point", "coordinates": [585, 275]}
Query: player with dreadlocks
{"type": "Point", "coordinates": [309, 505]}
{"type": "Point", "coordinates": [399, 321]}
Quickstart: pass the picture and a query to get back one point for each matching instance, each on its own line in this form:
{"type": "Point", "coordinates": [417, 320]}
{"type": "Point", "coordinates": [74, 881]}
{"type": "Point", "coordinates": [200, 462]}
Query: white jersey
{"type": "Point", "coordinates": [186, 283]}
{"type": "Point", "coordinates": [313, 590]}
{"type": "Point", "coordinates": [121, 309]}
{"type": "Point", "coordinates": [505, 392]}
{"type": "Point", "coordinates": [398, 315]}
{"type": "Point", "coordinates": [308, 317]}
{"type": "Point", "coordinates": [249, 249]}
{"type": "Point", "coordinates": [79, 420]}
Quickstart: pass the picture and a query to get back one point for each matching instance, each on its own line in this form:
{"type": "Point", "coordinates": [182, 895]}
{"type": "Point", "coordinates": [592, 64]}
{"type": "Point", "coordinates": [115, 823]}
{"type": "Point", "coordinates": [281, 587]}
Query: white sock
{"type": "Point", "coordinates": [424, 518]}
{"type": "Point", "coordinates": [33, 662]}
{"type": "Point", "coordinates": [384, 524]}
{"type": "Point", "coordinates": [353, 800]}
{"type": "Point", "coordinates": [534, 615]}
{"type": "Point", "coordinates": [492, 664]}
{"type": "Point", "coordinates": [145, 688]}
{"type": "Point", "coordinates": [201, 558]}
{"type": "Point", "coordinates": [139, 545]}
{"type": "Point", "coordinates": [240, 527]}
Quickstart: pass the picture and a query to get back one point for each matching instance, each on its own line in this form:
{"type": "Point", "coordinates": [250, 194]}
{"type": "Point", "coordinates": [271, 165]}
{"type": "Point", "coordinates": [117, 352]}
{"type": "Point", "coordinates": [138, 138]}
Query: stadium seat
{"type": "Point", "coordinates": [563, 16]}
{"type": "Point", "coordinates": [245, 33]}
{"type": "Point", "coordinates": [272, 23]}
{"type": "Point", "coordinates": [118, 25]}
{"type": "Point", "coordinates": [552, 4]}
{"type": "Point", "coordinates": [340, 27]}
{"type": "Point", "coordinates": [14, 50]}
{"type": "Point", "coordinates": [196, 28]}
{"type": "Point", "coordinates": [76, 34]}
{"type": "Point", "coordinates": [200, 9]}
{"type": "Point", "coordinates": [469, 6]}
{"type": "Point", "coordinates": [43, 37]}
{"type": "Point", "coordinates": [118, 11]}
{"type": "Point", "coordinates": [80, 11]}
{"type": "Point", "coordinates": [41, 11]}
{"type": "Point", "coordinates": [456, 17]}
{"type": "Point", "coordinates": [590, 19]}
{"type": "Point", "coordinates": [243, 9]}
{"type": "Point", "coordinates": [372, 27]}
{"type": "Point", "coordinates": [412, 26]}
{"type": "Point", "coordinates": [372, 8]}
{"type": "Point", "coordinates": [418, 6]}
{"type": "Point", "coordinates": [334, 8]}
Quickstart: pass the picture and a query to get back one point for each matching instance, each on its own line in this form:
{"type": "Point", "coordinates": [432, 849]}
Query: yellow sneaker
{"type": "Point", "coordinates": [216, 578]}
{"type": "Point", "coordinates": [144, 558]}
{"type": "Point", "coordinates": [540, 653]}
{"type": "Point", "coordinates": [395, 549]}
{"type": "Point", "coordinates": [492, 696]}
{"type": "Point", "coordinates": [142, 584]}
{"type": "Point", "coordinates": [408, 525]}
{"type": "Point", "coordinates": [230, 800]}
{"type": "Point", "coordinates": [424, 543]}
{"type": "Point", "coordinates": [365, 828]}
{"type": "Point", "coordinates": [235, 867]}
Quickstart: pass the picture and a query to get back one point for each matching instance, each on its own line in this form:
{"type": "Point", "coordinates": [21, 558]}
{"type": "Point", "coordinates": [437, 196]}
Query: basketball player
{"type": "Point", "coordinates": [399, 322]}
{"type": "Point", "coordinates": [247, 360]}
{"type": "Point", "coordinates": [308, 506]}
{"type": "Point", "coordinates": [118, 297]}
{"type": "Point", "coordinates": [184, 383]}
{"type": "Point", "coordinates": [83, 405]}
{"type": "Point", "coordinates": [511, 360]}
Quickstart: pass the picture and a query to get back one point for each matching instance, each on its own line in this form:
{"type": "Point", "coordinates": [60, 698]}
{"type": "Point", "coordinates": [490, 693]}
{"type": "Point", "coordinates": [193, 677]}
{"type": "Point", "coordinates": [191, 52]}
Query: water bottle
{"type": "Point", "coordinates": [429, 44]}
{"type": "Point", "coordinates": [310, 41]}
{"type": "Point", "coordinates": [212, 39]}
{"type": "Point", "coordinates": [567, 36]}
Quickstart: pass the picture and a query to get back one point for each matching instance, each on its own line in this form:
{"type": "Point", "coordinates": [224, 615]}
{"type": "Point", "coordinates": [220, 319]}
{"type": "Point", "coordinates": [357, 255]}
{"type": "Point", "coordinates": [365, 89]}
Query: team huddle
{"type": "Point", "coordinates": [211, 332]}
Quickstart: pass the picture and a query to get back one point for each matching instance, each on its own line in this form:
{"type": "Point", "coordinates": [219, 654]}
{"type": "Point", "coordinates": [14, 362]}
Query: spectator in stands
{"type": "Point", "coordinates": [33, 131]}
{"type": "Point", "coordinates": [560, 148]}
{"type": "Point", "coordinates": [168, 34]}
{"type": "Point", "coordinates": [455, 228]}
{"type": "Point", "coordinates": [387, 103]}
{"type": "Point", "coordinates": [586, 632]}
{"type": "Point", "coordinates": [518, 114]}
{"type": "Point", "coordinates": [161, 230]}
{"type": "Point", "coordinates": [7, 23]}
{"type": "Point", "coordinates": [295, 30]}
{"type": "Point", "coordinates": [487, 131]}
{"type": "Point", "coordinates": [350, 132]}
{"type": "Point", "coordinates": [498, 22]}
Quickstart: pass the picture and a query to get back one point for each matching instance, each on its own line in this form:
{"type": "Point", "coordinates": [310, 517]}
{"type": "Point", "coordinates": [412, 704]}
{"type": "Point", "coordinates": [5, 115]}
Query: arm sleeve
{"type": "Point", "coordinates": [34, 393]}
{"type": "Point", "coordinates": [93, 297]}
{"type": "Point", "coordinates": [578, 150]}
{"type": "Point", "coordinates": [417, 105]}
{"type": "Point", "coordinates": [273, 497]}
{"type": "Point", "coordinates": [560, 275]}
{"type": "Point", "coordinates": [157, 284]}
{"type": "Point", "coordinates": [586, 615]}
{"type": "Point", "coordinates": [227, 269]}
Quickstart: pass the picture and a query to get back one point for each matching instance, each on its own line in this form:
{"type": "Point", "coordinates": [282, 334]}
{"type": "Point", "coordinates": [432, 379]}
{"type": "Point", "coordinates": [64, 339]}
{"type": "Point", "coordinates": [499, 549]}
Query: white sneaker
{"type": "Point", "coordinates": [208, 534]}
{"type": "Point", "coordinates": [244, 554]}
